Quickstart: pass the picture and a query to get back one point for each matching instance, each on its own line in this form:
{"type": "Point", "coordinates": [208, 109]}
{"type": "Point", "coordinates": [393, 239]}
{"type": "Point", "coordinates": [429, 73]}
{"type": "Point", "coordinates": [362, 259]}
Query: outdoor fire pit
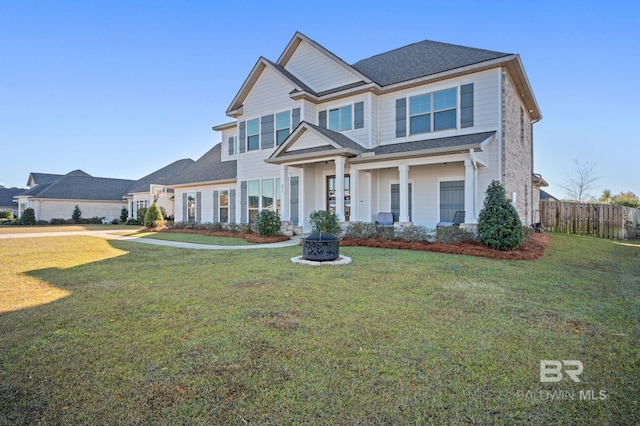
{"type": "Point", "coordinates": [321, 247]}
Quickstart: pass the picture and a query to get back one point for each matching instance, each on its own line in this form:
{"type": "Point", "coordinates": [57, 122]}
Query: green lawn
{"type": "Point", "coordinates": [115, 332]}
{"type": "Point", "coordinates": [193, 238]}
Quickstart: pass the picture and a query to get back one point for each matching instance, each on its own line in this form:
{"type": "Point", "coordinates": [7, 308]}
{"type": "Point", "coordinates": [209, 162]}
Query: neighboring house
{"type": "Point", "coordinates": [544, 195]}
{"type": "Point", "coordinates": [7, 202]}
{"type": "Point", "coordinates": [419, 131]}
{"type": "Point", "coordinates": [55, 196]}
{"type": "Point", "coordinates": [153, 189]}
{"type": "Point", "coordinates": [205, 191]}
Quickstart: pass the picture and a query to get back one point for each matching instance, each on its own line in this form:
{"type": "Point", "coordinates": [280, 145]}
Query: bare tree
{"type": "Point", "coordinates": [581, 180]}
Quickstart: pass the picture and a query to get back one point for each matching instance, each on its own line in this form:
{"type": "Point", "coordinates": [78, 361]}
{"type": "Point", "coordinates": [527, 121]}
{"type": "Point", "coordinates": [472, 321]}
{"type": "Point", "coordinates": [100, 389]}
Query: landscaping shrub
{"type": "Point", "coordinates": [42, 222]}
{"type": "Point", "coordinates": [414, 233]}
{"type": "Point", "coordinates": [361, 230]}
{"type": "Point", "coordinates": [95, 220]}
{"type": "Point", "coordinates": [132, 221]}
{"type": "Point", "coordinates": [28, 217]}
{"type": "Point", "coordinates": [153, 217]}
{"type": "Point", "coordinates": [325, 221]}
{"type": "Point", "coordinates": [141, 213]}
{"type": "Point", "coordinates": [6, 214]}
{"type": "Point", "coordinates": [454, 234]}
{"type": "Point", "coordinates": [76, 215]}
{"type": "Point", "coordinates": [267, 223]}
{"type": "Point", "coordinates": [58, 221]}
{"type": "Point", "coordinates": [499, 226]}
{"type": "Point", "coordinates": [124, 214]}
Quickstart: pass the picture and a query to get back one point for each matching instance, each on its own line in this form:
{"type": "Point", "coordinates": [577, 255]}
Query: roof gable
{"type": "Point", "coordinates": [319, 68]}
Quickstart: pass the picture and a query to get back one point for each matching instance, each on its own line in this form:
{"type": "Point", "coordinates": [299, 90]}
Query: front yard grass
{"type": "Point", "coordinates": [193, 238]}
{"type": "Point", "coordinates": [115, 332]}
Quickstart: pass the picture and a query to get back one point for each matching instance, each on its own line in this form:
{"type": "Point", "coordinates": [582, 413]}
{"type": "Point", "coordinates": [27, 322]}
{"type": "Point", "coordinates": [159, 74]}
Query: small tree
{"type": "Point", "coordinates": [124, 213]}
{"type": "Point", "coordinates": [6, 214]}
{"type": "Point", "coordinates": [77, 215]}
{"type": "Point", "coordinates": [267, 223]}
{"type": "Point", "coordinates": [325, 221]}
{"type": "Point", "coordinates": [153, 217]}
{"type": "Point", "coordinates": [580, 181]}
{"type": "Point", "coordinates": [499, 226]}
{"type": "Point", "coordinates": [28, 216]}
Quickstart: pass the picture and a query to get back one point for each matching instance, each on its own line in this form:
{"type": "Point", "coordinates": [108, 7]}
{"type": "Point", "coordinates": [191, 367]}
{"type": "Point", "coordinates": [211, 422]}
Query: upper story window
{"type": "Point", "coordinates": [283, 126]}
{"type": "Point", "coordinates": [341, 119]}
{"type": "Point", "coordinates": [253, 134]}
{"type": "Point", "coordinates": [433, 111]}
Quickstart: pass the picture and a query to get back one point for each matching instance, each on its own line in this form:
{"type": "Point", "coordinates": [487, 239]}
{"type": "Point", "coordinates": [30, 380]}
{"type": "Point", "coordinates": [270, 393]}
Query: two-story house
{"type": "Point", "coordinates": [419, 131]}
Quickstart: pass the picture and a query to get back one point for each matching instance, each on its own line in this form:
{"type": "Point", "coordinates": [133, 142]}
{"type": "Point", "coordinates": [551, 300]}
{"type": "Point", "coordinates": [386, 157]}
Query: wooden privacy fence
{"type": "Point", "coordinates": [597, 220]}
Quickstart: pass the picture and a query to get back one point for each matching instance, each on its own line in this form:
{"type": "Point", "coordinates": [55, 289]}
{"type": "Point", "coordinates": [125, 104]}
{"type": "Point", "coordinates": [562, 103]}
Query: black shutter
{"type": "Point", "coordinates": [293, 196]}
{"type": "Point", "coordinates": [266, 129]}
{"type": "Point", "coordinates": [358, 115]}
{"type": "Point", "coordinates": [242, 138]}
{"type": "Point", "coordinates": [243, 201]}
{"type": "Point", "coordinates": [295, 118]}
{"type": "Point", "coordinates": [216, 210]}
{"type": "Point", "coordinates": [322, 119]}
{"type": "Point", "coordinates": [466, 105]}
{"type": "Point", "coordinates": [401, 117]}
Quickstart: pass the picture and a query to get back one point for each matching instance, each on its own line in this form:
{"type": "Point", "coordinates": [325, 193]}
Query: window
{"type": "Point", "coordinates": [253, 134]}
{"type": "Point", "coordinates": [433, 111]}
{"type": "Point", "coordinates": [451, 199]}
{"type": "Point", "coordinates": [224, 206]}
{"type": "Point", "coordinates": [233, 145]}
{"type": "Point", "coordinates": [141, 204]}
{"type": "Point", "coordinates": [341, 119]}
{"type": "Point", "coordinates": [283, 126]}
{"type": "Point", "coordinates": [263, 195]}
{"type": "Point", "coordinates": [191, 207]}
{"type": "Point", "coordinates": [331, 195]}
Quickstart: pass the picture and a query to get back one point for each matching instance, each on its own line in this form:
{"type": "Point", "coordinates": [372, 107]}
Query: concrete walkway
{"type": "Point", "coordinates": [113, 235]}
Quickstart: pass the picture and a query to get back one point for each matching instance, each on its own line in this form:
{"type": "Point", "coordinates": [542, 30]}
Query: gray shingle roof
{"type": "Point", "coordinates": [337, 137]}
{"type": "Point", "coordinates": [208, 168]}
{"type": "Point", "coordinates": [420, 60]}
{"type": "Point", "coordinates": [439, 143]}
{"type": "Point", "coordinates": [163, 176]}
{"type": "Point", "coordinates": [78, 187]}
{"type": "Point", "coordinates": [7, 194]}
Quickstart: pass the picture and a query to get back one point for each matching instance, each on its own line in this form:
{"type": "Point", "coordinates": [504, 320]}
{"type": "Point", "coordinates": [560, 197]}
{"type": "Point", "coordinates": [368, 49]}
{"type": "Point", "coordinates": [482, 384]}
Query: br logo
{"type": "Point", "coordinates": [551, 370]}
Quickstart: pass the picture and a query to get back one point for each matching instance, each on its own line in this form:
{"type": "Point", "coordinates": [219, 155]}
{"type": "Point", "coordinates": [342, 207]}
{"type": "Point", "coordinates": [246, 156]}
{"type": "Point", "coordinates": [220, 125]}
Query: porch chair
{"type": "Point", "coordinates": [458, 218]}
{"type": "Point", "coordinates": [385, 219]}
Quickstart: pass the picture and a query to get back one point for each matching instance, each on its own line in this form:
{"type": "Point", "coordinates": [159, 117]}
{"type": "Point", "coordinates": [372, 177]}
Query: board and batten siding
{"type": "Point", "coordinates": [317, 70]}
{"type": "Point", "coordinates": [486, 95]}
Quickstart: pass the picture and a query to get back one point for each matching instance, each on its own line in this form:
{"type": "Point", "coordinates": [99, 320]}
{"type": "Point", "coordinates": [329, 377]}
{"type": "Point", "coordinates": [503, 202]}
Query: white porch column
{"type": "Point", "coordinates": [404, 193]}
{"type": "Point", "coordinates": [285, 201]}
{"type": "Point", "coordinates": [355, 194]}
{"type": "Point", "coordinates": [469, 192]}
{"type": "Point", "coordinates": [340, 187]}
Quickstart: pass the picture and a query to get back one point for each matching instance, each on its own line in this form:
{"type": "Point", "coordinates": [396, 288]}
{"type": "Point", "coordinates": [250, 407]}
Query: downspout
{"type": "Point", "coordinates": [472, 157]}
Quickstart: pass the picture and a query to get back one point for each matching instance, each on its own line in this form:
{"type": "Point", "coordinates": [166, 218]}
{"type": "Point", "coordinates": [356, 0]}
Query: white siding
{"type": "Point", "coordinates": [317, 70]}
{"type": "Point", "coordinates": [486, 107]}
{"type": "Point", "coordinates": [63, 209]}
{"type": "Point", "coordinates": [226, 134]}
{"type": "Point", "coordinates": [268, 95]}
{"type": "Point", "coordinates": [359, 135]}
{"type": "Point", "coordinates": [206, 201]}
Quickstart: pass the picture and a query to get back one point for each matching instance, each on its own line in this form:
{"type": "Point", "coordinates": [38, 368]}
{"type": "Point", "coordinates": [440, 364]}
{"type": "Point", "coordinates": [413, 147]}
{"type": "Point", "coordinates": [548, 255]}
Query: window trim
{"type": "Point", "coordinates": [221, 207]}
{"type": "Point", "coordinates": [340, 118]}
{"type": "Point", "coordinates": [433, 111]}
{"type": "Point", "coordinates": [277, 129]}
{"type": "Point", "coordinates": [276, 196]}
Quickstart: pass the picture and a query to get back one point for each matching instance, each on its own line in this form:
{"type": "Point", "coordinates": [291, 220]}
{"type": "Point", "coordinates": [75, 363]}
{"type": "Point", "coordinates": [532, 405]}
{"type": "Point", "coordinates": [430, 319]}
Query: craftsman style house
{"type": "Point", "coordinates": [419, 131]}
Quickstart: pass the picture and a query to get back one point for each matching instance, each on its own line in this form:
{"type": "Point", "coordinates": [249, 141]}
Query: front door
{"type": "Point", "coordinates": [331, 196]}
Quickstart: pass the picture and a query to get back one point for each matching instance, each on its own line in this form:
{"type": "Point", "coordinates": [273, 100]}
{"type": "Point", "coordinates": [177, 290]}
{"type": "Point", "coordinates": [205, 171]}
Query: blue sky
{"type": "Point", "coordinates": [123, 88]}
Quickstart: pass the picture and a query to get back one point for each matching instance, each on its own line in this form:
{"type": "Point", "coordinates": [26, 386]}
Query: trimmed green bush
{"type": "Point", "coordinates": [363, 230]}
{"type": "Point", "coordinates": [499, 226]}
{"type": "Point", "coordinates": [267, 223]}
{"type": "Point", "coordinates": [153, 217]}
{"type": "Point", "coordinates": [325, 221]}
{"type": "Point", "coordinates": [28, 217]}
{"type": "Point", "coordinates": [124, 214]}
{"type": "Point", "coordinates": [6, 214]}
{"type": "Point", "coordinates": [77, 215]}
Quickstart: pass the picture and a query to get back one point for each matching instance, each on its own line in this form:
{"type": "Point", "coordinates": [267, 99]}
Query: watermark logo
{"type": "Point", "coordinates": [551, 370]}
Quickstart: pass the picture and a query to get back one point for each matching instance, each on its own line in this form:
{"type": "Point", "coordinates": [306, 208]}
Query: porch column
{"type": "Point", "coordinates": [285, 199]}
{"type": "Point", "coordinates": [355, 194]}
{"type": "Point", "coordinates": [469, 192]}
{"type": "Point", "coordinates": [340, 187]}
{"type": "Point", "coordinates": [404, 193]}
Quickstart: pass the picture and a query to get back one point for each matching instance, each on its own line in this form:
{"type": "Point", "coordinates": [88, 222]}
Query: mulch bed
{"type": "Point", "coordinates": [532, 250]}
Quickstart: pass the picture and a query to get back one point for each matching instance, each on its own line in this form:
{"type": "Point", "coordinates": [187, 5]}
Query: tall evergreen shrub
{"type": "Point", "coordinates": [28, 216]}
{"type": "Point", "coordinates": [153, 217]}
{"type": "Point", "coordinates": [77, 215]}
{"type": "Point", "coordinates": [499, 226]}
